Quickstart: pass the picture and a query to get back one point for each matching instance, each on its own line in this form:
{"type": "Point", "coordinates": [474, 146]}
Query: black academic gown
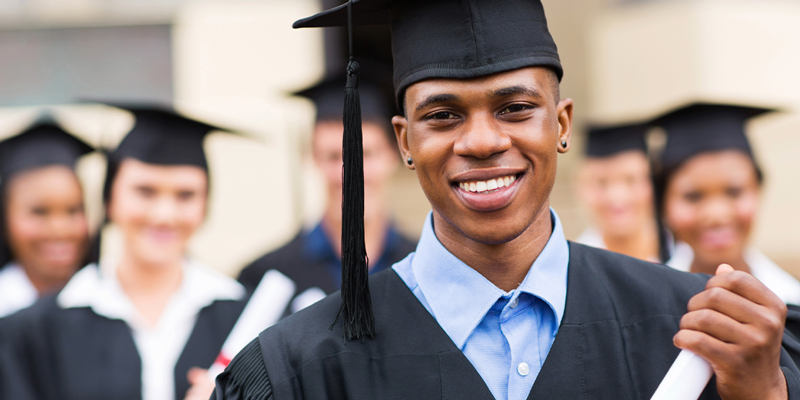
{"type": "Point", "coordinates": [614, 342]}
{"type": "Point", "coordinates": [75, 354]}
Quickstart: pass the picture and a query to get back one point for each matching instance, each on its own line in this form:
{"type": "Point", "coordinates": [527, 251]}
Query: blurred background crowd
{"type": "Point", "coordinates": [89, 73]}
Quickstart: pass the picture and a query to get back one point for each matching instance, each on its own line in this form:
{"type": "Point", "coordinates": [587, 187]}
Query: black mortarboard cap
{"type": "Point", "coordinates": [608, 141]}
{"type": "Point", "coordinates": [453, 38]}
{"type": "Point", "coordinates": [43, 144]}
{"type": "Point", "coordinates": [164, 137]}
{"type": "Point", "coordinates": [701, 128]}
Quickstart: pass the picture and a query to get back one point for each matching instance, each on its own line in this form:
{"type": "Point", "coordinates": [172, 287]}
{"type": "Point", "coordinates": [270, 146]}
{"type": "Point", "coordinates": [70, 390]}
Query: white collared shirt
{"type": "Point", "coordinates": [783, 284]}
{"type": "Point", "coordinates": [161, 345]}
{"type": "Point", "coordinates": [16, 290]}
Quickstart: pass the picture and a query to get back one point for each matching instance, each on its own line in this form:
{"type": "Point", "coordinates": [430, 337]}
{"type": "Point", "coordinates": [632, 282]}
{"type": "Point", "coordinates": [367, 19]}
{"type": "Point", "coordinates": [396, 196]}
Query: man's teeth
{"type": "Point", "coordinates": [485, 186]}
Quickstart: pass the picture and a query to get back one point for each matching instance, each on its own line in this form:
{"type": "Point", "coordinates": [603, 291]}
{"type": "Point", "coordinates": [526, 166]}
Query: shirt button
{"type": "Point", "coordinates": [514, 302]}
{"type": "Point", "coordinates": [523, 369]}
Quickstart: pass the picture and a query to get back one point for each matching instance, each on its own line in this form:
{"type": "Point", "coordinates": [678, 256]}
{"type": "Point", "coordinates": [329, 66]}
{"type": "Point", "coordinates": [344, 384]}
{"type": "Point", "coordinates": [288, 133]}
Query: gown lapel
{"type": "Point", "coordinates": [213, 325]}
{"type": "Point", "coordinates": [98, 359]}
{"type": "Point", "coordinates": [587, 359]}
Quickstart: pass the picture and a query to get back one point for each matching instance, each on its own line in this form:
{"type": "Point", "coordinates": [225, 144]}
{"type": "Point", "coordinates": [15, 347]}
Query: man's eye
{"type": "Point", "coordinates": [515, 108]}
{"type": "Point", "coordinates": [442, 115]}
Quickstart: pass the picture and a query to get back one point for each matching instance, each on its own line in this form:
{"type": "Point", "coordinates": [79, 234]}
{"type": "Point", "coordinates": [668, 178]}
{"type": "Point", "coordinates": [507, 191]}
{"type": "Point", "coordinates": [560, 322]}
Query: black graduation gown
{"type": "Point", "coordinates": [307, 272]}
{"type": "Point", "coordinates": [75, 354]}
{"type": "Point", "coordinates": [614, 342]}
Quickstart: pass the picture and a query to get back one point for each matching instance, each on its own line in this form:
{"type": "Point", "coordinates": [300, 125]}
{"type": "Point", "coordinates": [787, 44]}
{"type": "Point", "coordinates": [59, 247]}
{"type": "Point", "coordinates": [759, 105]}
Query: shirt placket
{"type": "Point", "coordinates": [523, 339]}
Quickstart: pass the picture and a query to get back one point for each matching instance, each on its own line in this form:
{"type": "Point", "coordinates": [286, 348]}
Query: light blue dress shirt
{"type": "Point", "coordinates": [505, 335]}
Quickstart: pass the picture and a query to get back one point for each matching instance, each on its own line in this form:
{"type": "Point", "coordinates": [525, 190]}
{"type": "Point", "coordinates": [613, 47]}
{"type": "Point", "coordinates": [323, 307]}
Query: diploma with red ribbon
{"type": "Point", "coordinates": [265, 308]}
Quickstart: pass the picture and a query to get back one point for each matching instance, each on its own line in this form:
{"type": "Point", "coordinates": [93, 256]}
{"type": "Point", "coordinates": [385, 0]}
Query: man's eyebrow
{"type": "Point", "coordinates": [513, 90]}
{"type": "Point", "coordinates": [436, 98]}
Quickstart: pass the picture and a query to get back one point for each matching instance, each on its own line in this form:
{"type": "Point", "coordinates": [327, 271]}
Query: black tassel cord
{"type": "Point", "coordinates": [356, 308]}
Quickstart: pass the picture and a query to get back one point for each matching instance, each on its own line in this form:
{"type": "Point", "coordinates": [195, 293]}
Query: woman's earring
{"type": "Point", "coordinates": [564, 144]}
{"type": "Point", "coordinates": [410, 161]}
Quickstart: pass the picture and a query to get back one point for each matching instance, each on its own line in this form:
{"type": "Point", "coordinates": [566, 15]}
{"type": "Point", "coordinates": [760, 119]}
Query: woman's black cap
{"type": "Point", "coordinates": [701, 128]}
{"type": "Point", "coordinates": [162, 136]}
{"type": "Point", "coordinates": [611, 140]}
{"type": "Point", "coordinates": [453, 38]}
{"type": "Point", "coordinates": [42, 144]}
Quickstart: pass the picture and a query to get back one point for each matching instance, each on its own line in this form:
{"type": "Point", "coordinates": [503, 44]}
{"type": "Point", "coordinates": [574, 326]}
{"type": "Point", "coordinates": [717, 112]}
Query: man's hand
{"type": "Point", "coordinates": [736, 324]}
{"type": "Point", "coordinates": [202, 385]}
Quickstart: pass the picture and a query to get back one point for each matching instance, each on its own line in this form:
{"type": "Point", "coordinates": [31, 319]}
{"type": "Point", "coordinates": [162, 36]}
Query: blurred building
{"type": "Point", "coordinates": [234, 61]}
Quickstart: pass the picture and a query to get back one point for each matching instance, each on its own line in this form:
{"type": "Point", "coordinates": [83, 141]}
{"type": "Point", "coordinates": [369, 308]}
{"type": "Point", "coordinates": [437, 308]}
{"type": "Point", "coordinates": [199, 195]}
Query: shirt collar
{"type": "Point", "coordinates": [16, 290]}
{"type": "Point", "coordinates": [100, 290]}
{"type": "Point", "coordinates": [459, 297]}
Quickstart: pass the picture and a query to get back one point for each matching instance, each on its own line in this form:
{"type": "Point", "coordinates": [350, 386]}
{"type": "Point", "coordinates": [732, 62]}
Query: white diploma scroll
{"type": "Point", "coordinates": [686, 378]}
{"type": "Point", "coordinates": [265, 308]}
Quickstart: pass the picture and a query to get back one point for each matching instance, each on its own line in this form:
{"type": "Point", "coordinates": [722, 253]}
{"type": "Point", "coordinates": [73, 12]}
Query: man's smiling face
{"type": "Point", "coordinates": [485, 149]}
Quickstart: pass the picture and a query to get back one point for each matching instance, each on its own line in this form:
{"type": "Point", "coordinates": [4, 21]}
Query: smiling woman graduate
{"type": "Point", "coordinates": [42, 221]}
{"type": "Point", "coordinates": [495, 303]}
{"type": "Point", "coordinates": [709, 186]}
{"type": "Point", "coordinates": [134, 328]}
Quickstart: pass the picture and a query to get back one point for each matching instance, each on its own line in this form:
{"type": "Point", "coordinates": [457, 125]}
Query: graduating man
{"type": "Point", "coordinates": [495, 303]}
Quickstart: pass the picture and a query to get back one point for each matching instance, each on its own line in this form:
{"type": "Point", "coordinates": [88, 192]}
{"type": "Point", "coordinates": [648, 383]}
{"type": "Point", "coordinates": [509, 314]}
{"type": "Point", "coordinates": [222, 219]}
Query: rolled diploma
{"type": "Point", "coordinates": [686, 378]}
{"type": "Point", "coordinates": [265, 308]}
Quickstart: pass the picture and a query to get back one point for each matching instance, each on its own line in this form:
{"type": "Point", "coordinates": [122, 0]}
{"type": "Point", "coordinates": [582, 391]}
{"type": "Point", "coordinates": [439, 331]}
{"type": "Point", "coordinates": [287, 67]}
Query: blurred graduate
{"type": "Point", "coordinates": [135, 327]}
{"type": "Point", "coordinates": [495, 303]}
{"type": "Point", "coordinates": [312, 259]}
{"type": "Point", "coordinates": [614, 185]}
{"type": "Point", "coordinates": [708, 185]}
{"type": "Point", "coordinates": [43, 228]}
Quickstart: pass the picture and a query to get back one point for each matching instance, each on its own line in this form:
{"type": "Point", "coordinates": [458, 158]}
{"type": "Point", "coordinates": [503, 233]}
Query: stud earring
{"type": "Point", "coordinates": [410, 161]}
{"type": "Point", "coordinates": [564, 144]}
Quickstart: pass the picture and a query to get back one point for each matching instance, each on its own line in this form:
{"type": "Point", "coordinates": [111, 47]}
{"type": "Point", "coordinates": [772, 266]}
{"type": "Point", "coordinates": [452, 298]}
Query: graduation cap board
{"type": "Point", "coordinates": [452, 38]}
{"type": "Point", "coordinates": [457, 39]}
{"type": "Point", "coordinates": [609, 141]}
{"type": "Point", "coordinates": [43, 144]}
{"type": "Point", "coordinates": [701, 128]}
{"type": "Point", "coordinates": [159, 136]}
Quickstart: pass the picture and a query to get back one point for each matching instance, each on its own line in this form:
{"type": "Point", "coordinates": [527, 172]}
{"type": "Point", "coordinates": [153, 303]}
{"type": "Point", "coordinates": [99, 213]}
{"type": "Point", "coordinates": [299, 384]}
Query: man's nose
{"type": "Point", "coordinates": [482, 137]}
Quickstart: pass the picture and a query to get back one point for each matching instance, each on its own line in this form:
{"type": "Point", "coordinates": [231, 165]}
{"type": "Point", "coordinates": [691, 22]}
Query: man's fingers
{"type": "Point", "coordinates": [747, 286]}
{"type": "Point", "coordinates": [715, 324]}
{"type": "Point", "coordinates": [728, 303]}
{"type": "Point", "coordinates": [702, 344]}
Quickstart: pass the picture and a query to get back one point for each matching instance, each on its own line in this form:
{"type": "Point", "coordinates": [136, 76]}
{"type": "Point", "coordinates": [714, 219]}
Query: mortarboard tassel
{"type": "Point", "coordinates": [356, 308]}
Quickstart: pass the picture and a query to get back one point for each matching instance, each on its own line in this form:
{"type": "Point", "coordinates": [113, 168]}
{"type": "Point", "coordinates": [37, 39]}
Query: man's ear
{"type": "Point", "coordinates": [400, 125]}
{"type": "Point", "coordinates": [564, 114]}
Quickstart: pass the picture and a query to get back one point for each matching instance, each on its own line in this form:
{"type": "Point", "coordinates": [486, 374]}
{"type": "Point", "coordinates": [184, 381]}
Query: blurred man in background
{"type": "Point", "coordinates": [614, 185]}
{"type": "Point", "coordinates": [312, 258]}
